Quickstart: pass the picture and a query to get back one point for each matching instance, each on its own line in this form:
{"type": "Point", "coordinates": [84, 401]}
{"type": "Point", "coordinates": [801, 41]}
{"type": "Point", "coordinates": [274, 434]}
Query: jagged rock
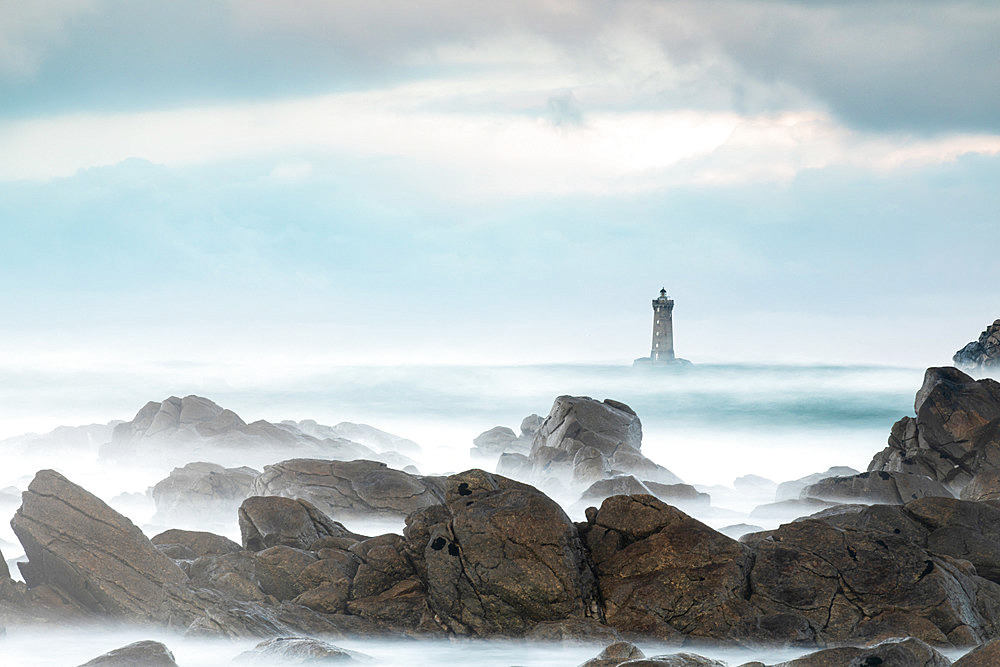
{"type": "Point", "coordinates": [622, 485]}
{"type": "Point", "coordinates": [867, 580]}
{"type": "Point", "coordinates": [386, 588]}
{"type": "Point", "coordinates": [981, 353]}
{"type": "Point", "coordinates": [233, 574]}
{"type": "Point", "coordinates": [651, 557]}
{"type": "Point", "coordinates": [984, 486]}
{"type": "Point", "coordinates": [683, 496]}
{"type": "Point", "coordinates": [199, 543]}
{"type": "Point", "coordinates": [179, 428]}
{"type": "Point", "coordinates": [615, 654]}
{"type": "Point", "coordinates": [609, 429]}
{"type": "Point", "coordinates": [350, 489]}
{"type": "Point", "coordinates": [266, 521]}
{"type": "Point", "coordinates": [200, 489]}
{"type": "Point", "coordinates": [987, 655]}
{"type": "Point", "coordinates": [278, 569]}
{"type": "Point", "coordinates": [890, 488]}
{"type": "Point", "coordinates": [147, 653]}
{"type": "Point", "coordinates": [498, 557]}
{"type": "Point", "coordinates": [908, 652]}
{"type": "Point", "coordinates": [675, 660]}
{"type": "Point", "coordinates": [298, 651]}
{"type": "Point", "coordinates": [791, 490]}
{"type": "Point", "coordinates": [955, 435]}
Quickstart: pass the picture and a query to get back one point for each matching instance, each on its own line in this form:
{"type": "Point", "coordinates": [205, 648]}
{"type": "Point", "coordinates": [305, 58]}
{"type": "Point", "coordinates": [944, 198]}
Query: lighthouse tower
{"type": "Point", "coordinates": [662, 351]}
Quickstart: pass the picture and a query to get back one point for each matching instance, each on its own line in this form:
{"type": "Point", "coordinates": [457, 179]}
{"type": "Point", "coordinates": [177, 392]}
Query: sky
{"type": "Point", "coordinates": [316, 183]}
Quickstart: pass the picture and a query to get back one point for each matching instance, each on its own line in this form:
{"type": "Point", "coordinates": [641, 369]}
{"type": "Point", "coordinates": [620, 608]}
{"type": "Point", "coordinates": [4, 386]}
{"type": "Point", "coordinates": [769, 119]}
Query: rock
{"type": "Point", "coordinates": [736, 531]}
{"type": "Point", "coordinates": [817, 582]}
{"type": "Point", "coordinates": [615, 654]}
{"type": "Point", "coordinates": [278, 569]}
{"type": "Point", "coordinates": [908, 652]}
{"type": "Point", "coordinates": [200, 543]}
{"type": "Point", "coordinates": [792, 489]}
{"type": "Point", "coordinates": [987, 655]}
{"type": "Point", "coordinates": [675, 660]}
{"type": "Point", "coordinates": [200, 489]}
{"type": "Point", "coordinates": [369, 436]}
{"type": "Point", "coordinates": [649, 557]}
{"type": "Point", "coordinates": [982, 353]}
{"type": "Point", "coordinates": [583, 438]}
{"type": "Point", "coordinates": [298, 651]}
{"type": "Point", "coordinates": [984, 486]}
{"type": "Point", "coordinates": [570, 630]}
{"type": "Point", "coordinates": [266, 521]}
{"type": "Point", "coordinates": [683, 496]}
{"type": "Point", "coordinates": [961, 529]}
{"type": "Point", "coordinates": [350, 489]}
{"type": "Point", "coordinates": [514, 466]}
{"type": "Point", "coordinates": [493, 442]}
{"type": "Point", "coordinates": [754, 485]}
{"type": "Point", "coordinates": [891, 488]}
{"type": "Point", "coordinates": [147, 653]}
{"type": "Point", "coordinates": [499, 557]}
{"type": "Point", "coordinates": [955, 435]}
{"type": "Point", "coordinates": [786, 510]}
{"type": "Point", "coordinates": [530, 425]}
{"type": "Point", "coordinates": [622, 485]}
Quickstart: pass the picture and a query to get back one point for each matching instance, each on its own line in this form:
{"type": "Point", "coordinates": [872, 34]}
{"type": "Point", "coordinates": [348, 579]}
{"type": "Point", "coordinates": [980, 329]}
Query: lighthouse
{"type": "Point", "coordinates": [662, 351]}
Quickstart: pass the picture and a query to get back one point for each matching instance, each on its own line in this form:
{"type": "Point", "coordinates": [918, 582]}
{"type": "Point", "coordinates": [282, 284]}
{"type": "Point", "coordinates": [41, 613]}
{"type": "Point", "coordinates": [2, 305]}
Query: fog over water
{"type": "Point", "coordinates": [707, 423]}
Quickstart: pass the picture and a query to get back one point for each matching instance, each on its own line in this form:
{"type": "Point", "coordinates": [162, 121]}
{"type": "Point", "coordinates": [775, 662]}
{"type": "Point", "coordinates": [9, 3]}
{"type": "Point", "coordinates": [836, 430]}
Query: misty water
{"type": "Point", "coordinates": [709, 424]}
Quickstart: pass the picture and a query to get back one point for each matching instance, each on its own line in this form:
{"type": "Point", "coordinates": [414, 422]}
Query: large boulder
{"type": "Point", "coordinates": [907, 652]}
{"type": "Point", "coordinates": [791, 489]}
{"type": "Point", "coordinates": [956, 432]}
{"type": "Point", "coordinates": [197, 542]}
{"type": "Point", "coordinates": [867, 578]}
{"type": "Point", "coordinates": [298, 651]}
{"type": "Point", "coordinates": [350, 489]}
{"type": "Point", "coordinates": [891, 488]}
{"type": "Point", "coordinates": [499, 557]}
{"type": "Point", "coordinates": [584, 440]}
{"type": "Point", "coordinates": [200, 490]}
{"type": "Point", "coordinates": [650, 557]}
{"type": "Point", "coordinates": [983, 353]}
{"type": "Point", "coordinates": [147, 653]}
{"type": "Point", "coordinates": [267, 521]}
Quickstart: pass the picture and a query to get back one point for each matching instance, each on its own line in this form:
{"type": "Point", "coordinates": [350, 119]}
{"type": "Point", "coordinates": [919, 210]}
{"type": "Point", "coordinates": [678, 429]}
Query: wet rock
{"type": "Point", "coordinates": [983, 353]}
{"type": "Point", "coordinates": [350, 489]}
{"type": "Point", "coordinates": [792, 489]}
{"type": "Point", "coordinates": [499, 557]}
{"type": "Point", "coordinates": [683, 496]}
{"type": "Point", "coordinates": [908, 652]}
{"type": "Point", "coordinates": [985, 485]}
{"type": "Point", "coordinates": [615, 654]}
{"type": "Point", "coordinates": [266, 521]}
{"type": "Point", "coordinates": [278, 569]}
{"type": "Point", "coordinates": [609, 428]}
{"type": "Point", "coordinates": [890, 488]}
{"type": "Point", "coordinates": [955, 435]}
{"type": "Point", "coordinates": [854, 582]}
{"type": "Point", "coordinates": [987, 655]}
{"type": "Point", "coordinates": [961, 529]}
{"type": "Point", "coordinates": [199, 543]}
{"type": "Point", "coordinates": [649, 557]}
{"type": "Point", "coordinates": [147, 653]}
{"type": "Point", "coordinates": [200, 489]}
{"type": "Point", "coordinates": [233, 574]}
{"type": "Point", "coordinates": [675, 660]}
{"type": "Point", "coordinates": [298, 651]}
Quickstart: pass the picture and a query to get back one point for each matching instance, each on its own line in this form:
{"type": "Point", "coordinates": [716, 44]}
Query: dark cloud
{"type": "Point", "coordinates": [880, 65]}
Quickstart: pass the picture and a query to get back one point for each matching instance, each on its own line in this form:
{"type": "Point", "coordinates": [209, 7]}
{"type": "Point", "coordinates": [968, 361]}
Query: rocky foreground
{"type": "Point", "coordinates": [484, 555]}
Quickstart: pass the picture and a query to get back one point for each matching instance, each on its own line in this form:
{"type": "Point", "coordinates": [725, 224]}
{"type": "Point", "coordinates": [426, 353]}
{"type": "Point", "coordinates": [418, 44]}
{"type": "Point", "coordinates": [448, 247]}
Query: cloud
{"type": "Point", "coordinates": [28, 30]}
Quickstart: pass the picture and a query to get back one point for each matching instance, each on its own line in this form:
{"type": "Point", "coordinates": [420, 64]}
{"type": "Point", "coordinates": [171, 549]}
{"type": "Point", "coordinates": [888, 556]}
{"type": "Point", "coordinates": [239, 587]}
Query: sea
{"type": "Point", "coordinates": [710, 424]}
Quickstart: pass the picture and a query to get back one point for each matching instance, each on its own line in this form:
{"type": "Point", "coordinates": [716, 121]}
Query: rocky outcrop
{"type": "Point", "coordinates": [983, 353]}
{"type": "Point", "coordinates": [194, 542]}
{"type": "Point", "coordinates": [890, 488]}
{"type": "Point", "coordinates": [181, 428]}
{"type": "Point", "coordinates": [298, 651]}
{"type": "Point", "coordinates": [350, 489]}
{"type": "Point", "coordinates": [614, 654]}
{"type": "Point", "coordinates": [147, 653]}
{"type": "Point", "coordinates": [498, 557]}
{"type": "Point", "coordinates": [665, 575]}
{"type": "Point", "coordinates": [791, 489]}
{"type": "Point", "coordinates": [500, 440]}
{"type": "Point", "coordinates": [201, 489]}
{"type": "Point", "coordinates": [584, 440]}
{"type": "Point", "coordinates": [266, 521]}
{"type": "Point", "coordinates": [908, 652]}
{"type": "Point", "coordinates": [956, 432]}
{"type": "Point", "coordinates": [987, 655]}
